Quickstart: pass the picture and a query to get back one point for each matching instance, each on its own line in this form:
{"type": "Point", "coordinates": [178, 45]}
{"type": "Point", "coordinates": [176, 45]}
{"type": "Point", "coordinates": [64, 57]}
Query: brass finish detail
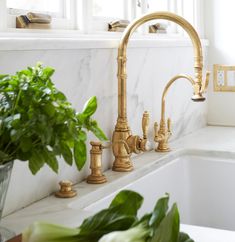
{"type": "Point", "coordinates": [145, 124]}
{"type": "Point", "coordinates": [162, 135]}
{"type": "Point", "coordinates": [122, 148]}
{"type": "Point", "coordinates": [128, 144]}
{"type": "Point", "coordinates": [225, 87]}
{"type": "Point", "coordinates": [66, 190]}
{"type": "Point", "coordinates": [96, 176]}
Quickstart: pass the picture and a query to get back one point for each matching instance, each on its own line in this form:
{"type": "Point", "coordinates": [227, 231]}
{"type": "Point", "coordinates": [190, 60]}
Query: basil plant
{"type": "Point", "coordinates": [38, 124]}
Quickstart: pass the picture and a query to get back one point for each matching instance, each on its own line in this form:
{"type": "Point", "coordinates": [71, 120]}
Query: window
{"type": "Point", "coordinates": [106, 11]}
{"type": "Point", "coordinates": [53, 6]}
{"type": "Point", "coordinates": [160, 5]}
{"type": "Point", "coordinates": [90, 16]}
{"type": "Point", "coordinates": [107, 8]}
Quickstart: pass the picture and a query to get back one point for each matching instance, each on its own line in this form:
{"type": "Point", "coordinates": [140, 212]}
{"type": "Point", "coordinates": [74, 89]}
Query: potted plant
{"type": "Point", "coordinates": [38, 124]}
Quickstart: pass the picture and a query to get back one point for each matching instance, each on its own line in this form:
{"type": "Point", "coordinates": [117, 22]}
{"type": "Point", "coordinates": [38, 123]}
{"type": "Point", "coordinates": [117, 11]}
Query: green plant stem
{"type": "Point", "coordinates": [12, 112]}
{"type": "Point", "coordinates": [17, 101]}
{"type": "Point", "coordinates": [7, 146]}
{"type": "Point", "coordinates": [15, 151]}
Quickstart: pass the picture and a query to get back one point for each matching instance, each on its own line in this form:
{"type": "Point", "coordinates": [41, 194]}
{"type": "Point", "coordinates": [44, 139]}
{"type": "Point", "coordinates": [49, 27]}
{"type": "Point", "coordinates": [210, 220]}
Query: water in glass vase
{"type": "Point", "coordinates": [5, 174]}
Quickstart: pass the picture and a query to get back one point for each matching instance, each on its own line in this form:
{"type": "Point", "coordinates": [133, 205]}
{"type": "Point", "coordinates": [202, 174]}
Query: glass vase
{"type": "Point", "coordinates": [5, 174]}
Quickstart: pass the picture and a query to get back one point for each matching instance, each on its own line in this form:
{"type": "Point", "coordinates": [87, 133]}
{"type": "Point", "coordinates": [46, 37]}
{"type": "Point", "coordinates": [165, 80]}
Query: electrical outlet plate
{"type": "Point", "coordinates": [224, 78]}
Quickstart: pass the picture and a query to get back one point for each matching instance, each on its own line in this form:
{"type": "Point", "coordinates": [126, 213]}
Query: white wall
{"type": "Point", "coordinates": [81, 73]}
{"type": "Point", "coordinates": [219, 29]}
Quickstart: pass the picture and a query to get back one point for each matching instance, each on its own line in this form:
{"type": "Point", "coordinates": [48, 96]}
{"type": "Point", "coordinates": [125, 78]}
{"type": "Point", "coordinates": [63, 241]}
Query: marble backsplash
{"type": "Point", "coordinates": [82, 73]}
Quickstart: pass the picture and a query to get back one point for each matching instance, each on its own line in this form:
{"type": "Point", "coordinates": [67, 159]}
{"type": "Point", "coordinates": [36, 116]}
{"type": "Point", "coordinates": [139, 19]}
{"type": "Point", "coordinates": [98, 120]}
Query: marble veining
{"type": "Point", "coordinates": [81, 73]}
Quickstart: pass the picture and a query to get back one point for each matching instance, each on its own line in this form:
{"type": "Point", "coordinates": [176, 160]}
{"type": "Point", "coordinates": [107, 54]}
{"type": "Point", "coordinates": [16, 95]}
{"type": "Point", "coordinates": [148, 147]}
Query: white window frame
{"type": "Point", "coordinates": [173, 6]}
{"type": "Point", "coordinates": [83, 22]}
{"type": "Point", "coordinates": [100, 23]}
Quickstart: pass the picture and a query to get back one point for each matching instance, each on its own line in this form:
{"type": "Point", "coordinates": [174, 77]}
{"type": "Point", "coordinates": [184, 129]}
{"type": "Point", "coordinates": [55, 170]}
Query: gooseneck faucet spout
{"type": "Point", "coordinates": [163, 133]}
{"type": "Point", "coordinates": [123, 142]}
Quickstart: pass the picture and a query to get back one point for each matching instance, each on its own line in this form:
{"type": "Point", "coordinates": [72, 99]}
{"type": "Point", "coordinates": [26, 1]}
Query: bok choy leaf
{"type": "Point", "coordinates": [118, 223]}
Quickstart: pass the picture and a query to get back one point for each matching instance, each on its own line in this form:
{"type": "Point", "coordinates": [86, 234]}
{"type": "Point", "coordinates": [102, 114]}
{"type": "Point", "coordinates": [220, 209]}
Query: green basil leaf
{"type": "Point", "coordinates": [49, 109]}
{"type": "Point", "coordinates": [3, 76]}
{"type": "Point", "coordinates": [97, 131]}
{"type": "Point", "coordinates": [47, 72]}
{"type": "Point", "coordinates": [168, 230]}
{"type": "Point", "coordinates": [25, 144]}
{"type": "Point", "coordinates": [66, 153]}
{"type": "Point", "coordinates": [23, 156]}
{"type": "Point", "coordinates": [80, 119]}
{"type": "Point", "coordinates": [60, 96]}
{"type": "Point", "coordinates": [80, 154]}
{"type": "Point", "coordinates": [51, 160]}
{"type": "Point", "coordinates": [90, 107]}
{"type": "Point", "coordinates": [82, 135]}
{"type": "Point", "coordinates": [36, 161]}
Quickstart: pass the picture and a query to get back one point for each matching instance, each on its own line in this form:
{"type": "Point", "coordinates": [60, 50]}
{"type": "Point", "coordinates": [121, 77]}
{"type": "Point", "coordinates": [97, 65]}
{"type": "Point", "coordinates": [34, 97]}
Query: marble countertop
{"type": "Point", "coordinates": [70, 212]}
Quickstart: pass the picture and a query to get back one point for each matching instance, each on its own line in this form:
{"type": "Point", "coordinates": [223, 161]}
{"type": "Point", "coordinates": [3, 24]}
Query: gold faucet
{"type": "Point", "coordinates": [163, 134]}
{"type": "Point", "coordinates": [124, 143]}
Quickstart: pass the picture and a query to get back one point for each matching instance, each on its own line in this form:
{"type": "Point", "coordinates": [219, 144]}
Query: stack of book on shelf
{"type": "Point", "coordinates": [158, 28]}
{"type": "Point", "coordinates": [118, 25]}
{"type": "Point", "coordinates": [33, 21]}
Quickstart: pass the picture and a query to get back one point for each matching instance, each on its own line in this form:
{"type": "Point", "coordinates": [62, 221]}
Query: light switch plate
{"type": "Point", "coordinates": [220, 78]}
{"type": "Point", "coordinates": [224, 78]}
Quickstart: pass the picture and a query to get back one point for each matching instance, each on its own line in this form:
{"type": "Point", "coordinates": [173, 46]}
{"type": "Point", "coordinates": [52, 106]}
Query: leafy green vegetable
{"type": "Point", "coordinates": [117, 223]}
{"type": "Point", "coordinates": [42, 232]}
{"type": "Point", "coordinates": [122, 201]}
{"type": "Point", "coordinates": [184, 238]}
{"type": "Point", "coordinates": [120, 215]}
{"type": "Point", "coordinates": [168, 230]}
{"type": "Point", "coordinates": [159, 211]}
{"type": "Point", "coordinates": [38, 124]}
{"type": "Point", "coordinates": [135, 234]}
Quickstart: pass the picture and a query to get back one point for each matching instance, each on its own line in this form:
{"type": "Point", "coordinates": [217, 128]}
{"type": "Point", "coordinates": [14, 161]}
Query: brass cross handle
{"type": "Point", "coordinates": [162, 135]}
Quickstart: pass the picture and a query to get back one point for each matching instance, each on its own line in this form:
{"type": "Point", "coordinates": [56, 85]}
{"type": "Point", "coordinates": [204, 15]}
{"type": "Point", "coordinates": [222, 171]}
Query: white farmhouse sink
{"type": "Point", "coordinates": [202, 185]}
{"type": "Point", "coordinates": [201, 182]}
